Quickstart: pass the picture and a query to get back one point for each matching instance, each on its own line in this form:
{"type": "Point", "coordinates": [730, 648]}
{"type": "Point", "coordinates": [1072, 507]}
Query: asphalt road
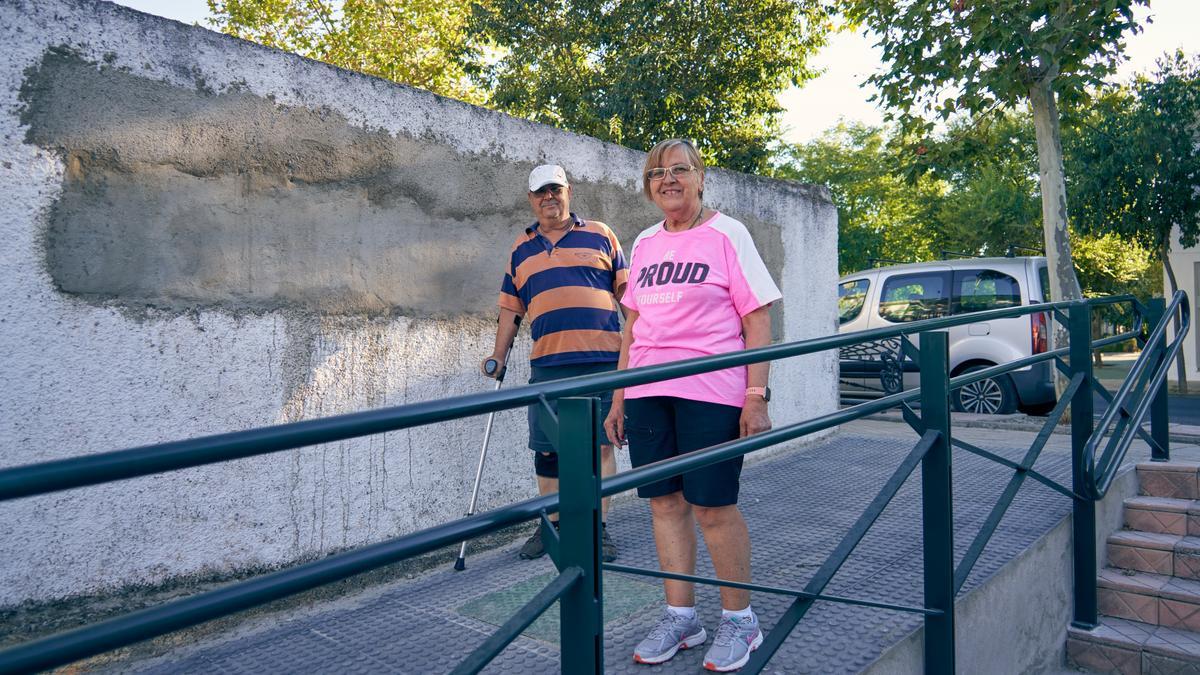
{"type": "Point", "coordinates": [1183, 409]}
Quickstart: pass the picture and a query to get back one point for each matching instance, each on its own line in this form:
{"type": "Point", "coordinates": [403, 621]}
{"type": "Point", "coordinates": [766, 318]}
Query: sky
{"type": "Point", "coordinates": [850, 58]}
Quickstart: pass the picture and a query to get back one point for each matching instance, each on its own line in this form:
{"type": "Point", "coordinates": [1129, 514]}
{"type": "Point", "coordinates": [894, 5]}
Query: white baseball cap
{"type": "Point", "coordinates": [546, 174]}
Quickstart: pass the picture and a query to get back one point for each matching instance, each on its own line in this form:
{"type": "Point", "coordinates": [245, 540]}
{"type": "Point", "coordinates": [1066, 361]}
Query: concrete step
{"type": "Point", "coordinates": [1163, 515]}
{"type": "Point", "coordinates": [1155, 552]}
{"type": "Point", "coordinates": [1150, 598]}
{"type": "Point", "coordinates": [1133, 648]}
{"type": "Point", "coordinates": [1175, 480]}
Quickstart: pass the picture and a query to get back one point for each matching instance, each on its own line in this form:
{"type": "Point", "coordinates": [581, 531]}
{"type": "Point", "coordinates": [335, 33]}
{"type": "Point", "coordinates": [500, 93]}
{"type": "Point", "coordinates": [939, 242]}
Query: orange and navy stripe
{"type": "Point", "coordinates": [566, 289]}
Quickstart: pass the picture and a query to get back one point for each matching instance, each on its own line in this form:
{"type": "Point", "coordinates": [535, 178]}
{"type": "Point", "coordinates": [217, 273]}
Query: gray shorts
{"type": "Point", "coordinates": [537, 440]}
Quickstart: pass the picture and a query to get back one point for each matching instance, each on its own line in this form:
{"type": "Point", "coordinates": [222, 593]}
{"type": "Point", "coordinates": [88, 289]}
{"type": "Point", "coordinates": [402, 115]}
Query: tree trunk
{"type": "Point", "coordinates": [1063, 283]}
{"type": "Point", "coordinates": [1164, 251]}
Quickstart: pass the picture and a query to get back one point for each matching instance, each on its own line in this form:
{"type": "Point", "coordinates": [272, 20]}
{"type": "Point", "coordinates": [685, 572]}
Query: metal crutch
{"type": "Point", "coordinates": [490, 367]}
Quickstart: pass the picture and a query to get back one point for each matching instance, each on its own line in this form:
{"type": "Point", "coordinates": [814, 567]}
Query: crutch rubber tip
{"type": "Point", "coordinates": [460, 565]}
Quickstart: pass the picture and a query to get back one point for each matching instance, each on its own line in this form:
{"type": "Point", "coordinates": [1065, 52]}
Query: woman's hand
{"type": "Point", "coordinates": [756, 329]}
{"type": "Point", "coordinates": [754, 417]}
{"type": "Point", "coordinates": [614, 424]}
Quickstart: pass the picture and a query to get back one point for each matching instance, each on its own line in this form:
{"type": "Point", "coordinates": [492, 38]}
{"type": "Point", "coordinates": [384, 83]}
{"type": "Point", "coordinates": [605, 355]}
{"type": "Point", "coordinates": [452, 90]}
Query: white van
{"type": "Point", "coordinates": [900, 294]}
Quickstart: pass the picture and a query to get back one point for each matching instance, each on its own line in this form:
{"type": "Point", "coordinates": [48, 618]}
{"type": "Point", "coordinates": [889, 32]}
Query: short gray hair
{"type": "Point", "coordinates": [654, 158]}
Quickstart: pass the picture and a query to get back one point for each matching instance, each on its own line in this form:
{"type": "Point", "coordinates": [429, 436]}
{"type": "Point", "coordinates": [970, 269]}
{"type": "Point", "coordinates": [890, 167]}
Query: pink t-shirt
{"type": "Point", "coordinates": [691, 290]}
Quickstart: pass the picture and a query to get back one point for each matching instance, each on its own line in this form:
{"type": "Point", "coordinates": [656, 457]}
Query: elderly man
{"type": "Point", "coordinates": [567, 274]}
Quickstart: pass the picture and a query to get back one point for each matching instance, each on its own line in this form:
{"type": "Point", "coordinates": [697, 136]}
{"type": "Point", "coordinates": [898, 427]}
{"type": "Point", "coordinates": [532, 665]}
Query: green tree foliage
{"type": "Point", "coordinates": [1139, 171]}
{"type": "Point", "coordinates": [637, 71]}
{"type": "Point", "coordinates": [992, 200]}
{"type": "Point", "coordinates": [974, 56]}
{"type": "Point", "coordinates": [422, 43]}
{"type": "Point", "coordinates": [628, 71]}
{"type": "Point", "coordinates": [977, 194]}
{"type": "Point", "coordinates": [880, 214]}
{"type": "Point", "coordinates": [1110, 264]}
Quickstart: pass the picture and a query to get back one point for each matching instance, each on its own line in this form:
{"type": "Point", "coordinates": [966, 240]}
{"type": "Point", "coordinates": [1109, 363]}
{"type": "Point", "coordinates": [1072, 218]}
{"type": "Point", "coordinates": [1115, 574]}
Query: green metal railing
{"type": "Point", "coordinates": [575, 546]}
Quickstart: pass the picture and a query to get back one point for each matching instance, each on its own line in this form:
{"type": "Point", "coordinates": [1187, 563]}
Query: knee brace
{"type": "Point", "coordinates": [545, 464]}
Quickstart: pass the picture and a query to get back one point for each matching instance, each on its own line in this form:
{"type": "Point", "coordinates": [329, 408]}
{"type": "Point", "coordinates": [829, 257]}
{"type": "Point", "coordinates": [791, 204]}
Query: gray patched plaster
{"type": "Point", "coordinates": [177, 198]}
{"type": "Point", "coordinates": [204, 235]}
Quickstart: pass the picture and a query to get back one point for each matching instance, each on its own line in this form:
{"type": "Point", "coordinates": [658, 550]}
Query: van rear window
{"type": "Point", "coordinates": [977, 290]}
{"type": "Point", "coordinates": [851, 296]}
{"type": "Point", "coordinates": [914, 297]}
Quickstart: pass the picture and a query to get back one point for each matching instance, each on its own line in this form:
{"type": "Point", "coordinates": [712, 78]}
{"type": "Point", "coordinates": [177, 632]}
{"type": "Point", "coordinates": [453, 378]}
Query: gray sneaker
{"type": "Point", "coordinates": [533, 547]}
{"type": "Point", "coordinates": [608, 550]}
{"type": "Point", "coordinates": [669, 635]}
{"type": "Point", "coordinates": [731, 647]}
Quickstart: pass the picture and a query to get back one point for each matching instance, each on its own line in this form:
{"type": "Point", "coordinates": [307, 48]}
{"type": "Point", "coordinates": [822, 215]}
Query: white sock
{"type": "Point", "coordinates": [739, 614]}
{"type": "Point", "coordinates": [685, 612]}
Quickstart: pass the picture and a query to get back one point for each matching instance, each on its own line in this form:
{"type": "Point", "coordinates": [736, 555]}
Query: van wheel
{"type": "Point", "coordinates": [891, 376]}
{"type": "Point", "coordinates": [992, 396]}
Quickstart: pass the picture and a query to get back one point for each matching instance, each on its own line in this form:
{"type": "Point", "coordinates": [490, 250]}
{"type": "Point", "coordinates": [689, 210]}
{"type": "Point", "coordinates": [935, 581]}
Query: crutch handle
{"type": "Point", "coordinates": [494, 369]}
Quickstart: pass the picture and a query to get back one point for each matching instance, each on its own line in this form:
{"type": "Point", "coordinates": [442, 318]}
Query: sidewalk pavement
{"type": "Point", "coordinates": [797, 504]}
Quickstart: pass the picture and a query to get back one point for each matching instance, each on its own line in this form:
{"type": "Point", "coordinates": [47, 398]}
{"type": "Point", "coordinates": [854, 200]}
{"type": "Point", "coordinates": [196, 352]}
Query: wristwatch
{"type": "Point", "coordinates": [764, 392]}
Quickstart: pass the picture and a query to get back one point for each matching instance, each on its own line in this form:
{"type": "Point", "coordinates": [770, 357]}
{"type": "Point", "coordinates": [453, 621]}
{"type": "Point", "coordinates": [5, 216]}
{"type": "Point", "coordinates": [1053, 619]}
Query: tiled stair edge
{"type": "Point", "coordinates": [1019, 616]}
{"type": "Point", "coordinates": [1158, 553]}
{"type": "Point", "coordinates": [1150, 598]}
{"type": "Point", "coordinates": [1170, 479]}
{"type": "Point", "coordinates": [1130, 646]}
{"type": "Point", "coordinates": [1157, 514]}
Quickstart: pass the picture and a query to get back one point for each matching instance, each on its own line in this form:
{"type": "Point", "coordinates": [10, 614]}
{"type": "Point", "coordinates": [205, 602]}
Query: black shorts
{"type": "Point", "coordinates": [661, 427]}
{"type": "Point", "coordinates": [538, 440]}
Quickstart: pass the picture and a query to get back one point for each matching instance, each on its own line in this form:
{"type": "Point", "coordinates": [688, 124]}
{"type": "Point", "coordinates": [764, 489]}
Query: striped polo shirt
{"type": "Point", "coordinates": [565, 291]}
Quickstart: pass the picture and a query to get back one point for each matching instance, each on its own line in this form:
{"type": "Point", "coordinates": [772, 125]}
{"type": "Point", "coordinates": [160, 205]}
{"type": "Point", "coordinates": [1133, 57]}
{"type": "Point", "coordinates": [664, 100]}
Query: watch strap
{"type": "Point", "coordinates": [764, 392]}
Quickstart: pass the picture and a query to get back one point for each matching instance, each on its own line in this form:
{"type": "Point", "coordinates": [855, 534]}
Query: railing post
{"type": "Point", "coordinates": [937, 504]}
{"type": "Point", "coordinates": [581, 608]}
{"type": "Point", "coordinates": [1159, 416]}
{"type": "Point", "coordinates": [1083, 517]}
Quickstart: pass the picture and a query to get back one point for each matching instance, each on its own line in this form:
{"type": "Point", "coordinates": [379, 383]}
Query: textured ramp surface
{"type": "Point", "coordinates": [797, 506]}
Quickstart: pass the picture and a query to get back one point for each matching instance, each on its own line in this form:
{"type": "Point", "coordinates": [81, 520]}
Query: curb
{"type": "Point", "coordinates": [1021, 422]}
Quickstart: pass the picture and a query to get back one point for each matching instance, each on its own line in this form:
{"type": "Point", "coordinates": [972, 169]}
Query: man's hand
{"type": "Point", "coordinates": [506, 332]}
{"type": "Point", "coordinates": [496, 363]}
{"type": "Point", "coordinates": [614, 424]}
{"type": "Point", "coordinates": [754, 417]}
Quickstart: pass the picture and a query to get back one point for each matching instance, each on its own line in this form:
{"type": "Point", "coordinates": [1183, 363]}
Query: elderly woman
{"type": "Point", "coordinates": [697, 287]}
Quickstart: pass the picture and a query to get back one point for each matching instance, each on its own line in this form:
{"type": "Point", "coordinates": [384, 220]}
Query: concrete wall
{"type": "Point", "coordinates": [203, 235]}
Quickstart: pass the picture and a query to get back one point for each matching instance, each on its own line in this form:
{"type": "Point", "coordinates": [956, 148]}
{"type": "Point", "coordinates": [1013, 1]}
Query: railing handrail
{"type": "Point", "coordinates": [54, 475]}
{"type": "Point", "coordinates": [50, 476]}
{"type": "Point", "coordinates": [1097, 485]}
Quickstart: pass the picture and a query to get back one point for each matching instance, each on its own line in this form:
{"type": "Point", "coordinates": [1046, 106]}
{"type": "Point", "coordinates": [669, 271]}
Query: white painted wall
{"type": "Point", "coordinates": [82, 377]}
{"type": "Point", "coordinates": [1184, 262]}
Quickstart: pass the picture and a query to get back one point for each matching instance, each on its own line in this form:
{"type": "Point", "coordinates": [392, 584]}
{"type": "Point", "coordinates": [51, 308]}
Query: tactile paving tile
{"type": "Point", "coordinates": [797, 506]}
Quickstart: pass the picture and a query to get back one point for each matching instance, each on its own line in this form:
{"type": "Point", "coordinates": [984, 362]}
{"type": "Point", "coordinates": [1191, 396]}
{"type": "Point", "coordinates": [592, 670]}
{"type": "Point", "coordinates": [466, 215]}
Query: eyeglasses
{"type": "Point", "coordinates": [548, 190]}
{"type": "Point", "coordinates": [677, 171]}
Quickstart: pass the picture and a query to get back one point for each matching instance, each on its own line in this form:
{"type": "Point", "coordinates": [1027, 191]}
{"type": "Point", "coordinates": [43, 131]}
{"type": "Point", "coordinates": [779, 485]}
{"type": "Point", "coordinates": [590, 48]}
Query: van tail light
{"type": "Point", "coordinates": [1038, 332]}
